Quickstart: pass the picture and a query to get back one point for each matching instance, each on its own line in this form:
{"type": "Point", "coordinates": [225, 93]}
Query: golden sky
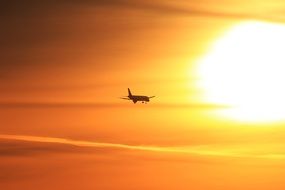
{"type": "Point", "coordinates": [64, 65]}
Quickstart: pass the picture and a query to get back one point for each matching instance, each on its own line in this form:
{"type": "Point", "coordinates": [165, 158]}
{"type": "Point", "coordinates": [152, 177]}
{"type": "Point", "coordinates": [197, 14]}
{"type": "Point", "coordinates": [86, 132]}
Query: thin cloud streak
{"type": "Point", "coordinates": [154, 6]}
{"type": "Point", "coordinates": [106, 105]}
{"type": "Point", "coordinates": [80, 143]}
{"type": "Point", "coordinates": [202, 150]}
{"type": "Point", "coordinates": [192, 11]}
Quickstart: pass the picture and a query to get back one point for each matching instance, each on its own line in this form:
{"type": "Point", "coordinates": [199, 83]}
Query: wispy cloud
{"type": "Point", "coordinates": [103, 105]}
{"type": "Point", "coordinates": [31, 6]}
{"type": "Point", "coordinates": [268, 151]}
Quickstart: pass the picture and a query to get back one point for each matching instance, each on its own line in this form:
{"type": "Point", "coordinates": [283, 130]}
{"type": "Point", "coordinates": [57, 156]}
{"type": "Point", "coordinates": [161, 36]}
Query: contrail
{"type": "Point", "coordinates": [194, 150]}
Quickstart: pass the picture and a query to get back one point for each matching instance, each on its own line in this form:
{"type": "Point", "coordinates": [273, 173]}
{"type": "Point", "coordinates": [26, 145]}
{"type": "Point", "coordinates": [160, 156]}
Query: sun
{"type": "Point", "coordinates": [245, 70]}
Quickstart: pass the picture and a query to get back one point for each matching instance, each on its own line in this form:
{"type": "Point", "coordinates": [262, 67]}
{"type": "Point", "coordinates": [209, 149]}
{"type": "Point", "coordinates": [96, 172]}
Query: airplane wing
{"type": "Point", "coordinates": [125, 98]}
{"type": "Point", "coordinates": [151, 97]}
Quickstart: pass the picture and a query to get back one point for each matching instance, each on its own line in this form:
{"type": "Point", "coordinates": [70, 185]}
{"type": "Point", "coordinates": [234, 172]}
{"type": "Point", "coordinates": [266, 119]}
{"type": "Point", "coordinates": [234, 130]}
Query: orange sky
{"type": "Point", "coordinates": [64, 65]}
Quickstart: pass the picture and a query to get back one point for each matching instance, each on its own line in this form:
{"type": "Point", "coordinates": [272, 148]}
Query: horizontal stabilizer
{"type": "Point", "coordinates": [151, 97]}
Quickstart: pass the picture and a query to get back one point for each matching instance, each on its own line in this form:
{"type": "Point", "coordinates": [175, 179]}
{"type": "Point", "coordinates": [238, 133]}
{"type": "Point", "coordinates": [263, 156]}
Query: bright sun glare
{"type": "Point", "coordinates": [245, 69]}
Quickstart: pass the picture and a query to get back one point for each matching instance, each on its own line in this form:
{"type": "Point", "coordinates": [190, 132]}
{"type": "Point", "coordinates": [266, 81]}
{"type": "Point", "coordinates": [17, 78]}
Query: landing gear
{"type": "Point", "coordinates": [143, 102]}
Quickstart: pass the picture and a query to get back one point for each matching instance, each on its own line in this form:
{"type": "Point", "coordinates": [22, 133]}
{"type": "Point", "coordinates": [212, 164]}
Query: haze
{"type": "Point", "coordinates": [64, 65]}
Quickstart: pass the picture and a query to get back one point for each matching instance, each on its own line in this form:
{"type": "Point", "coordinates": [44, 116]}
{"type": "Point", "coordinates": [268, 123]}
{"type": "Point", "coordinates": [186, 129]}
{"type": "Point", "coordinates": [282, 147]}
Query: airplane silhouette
{"type": "Point", "coordinates": [136, 98]}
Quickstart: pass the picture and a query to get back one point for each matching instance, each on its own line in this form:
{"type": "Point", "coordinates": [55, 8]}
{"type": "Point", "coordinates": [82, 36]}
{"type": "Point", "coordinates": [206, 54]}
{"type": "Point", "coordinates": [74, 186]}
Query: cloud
{"type": "Point", "coordinates": [16, 7]}
{"type": "Point", "coordinates": [21, 148]}
{"type": "Point", "coordinates": [105, 105]}
{"type": "Point", "coordinates": [38, 144]}
{"type": "Point", "coordinates": [38, 35]}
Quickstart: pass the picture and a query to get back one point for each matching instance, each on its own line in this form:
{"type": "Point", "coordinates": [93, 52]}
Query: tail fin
{"type": "Point", "coordinates": [130, 94]}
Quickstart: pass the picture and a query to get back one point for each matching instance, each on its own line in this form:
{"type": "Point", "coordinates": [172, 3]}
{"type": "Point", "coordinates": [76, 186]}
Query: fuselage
{"type": "Point", "coordinates": [136, 98]}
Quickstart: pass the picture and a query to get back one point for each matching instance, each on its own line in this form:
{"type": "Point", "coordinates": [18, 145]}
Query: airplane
{"type": "Point", "coordinates": [136, 98]}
